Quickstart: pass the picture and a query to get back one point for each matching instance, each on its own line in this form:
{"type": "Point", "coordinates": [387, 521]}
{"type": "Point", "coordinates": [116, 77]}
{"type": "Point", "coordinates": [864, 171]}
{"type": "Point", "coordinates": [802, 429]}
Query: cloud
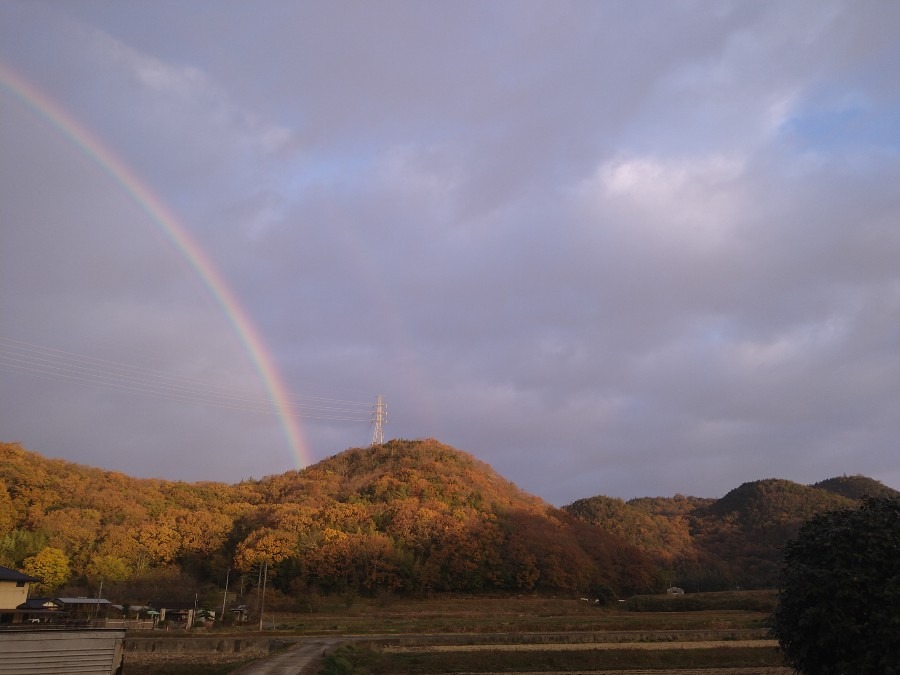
{"type": "Point", "coordinates": [685, 206]}
{"type": "Point", "coordinates": [606, 250]}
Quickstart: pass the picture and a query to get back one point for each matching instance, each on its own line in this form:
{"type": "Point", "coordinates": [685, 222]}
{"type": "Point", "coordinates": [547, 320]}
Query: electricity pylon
{"type": "Point", "coordinates": [379, 417]}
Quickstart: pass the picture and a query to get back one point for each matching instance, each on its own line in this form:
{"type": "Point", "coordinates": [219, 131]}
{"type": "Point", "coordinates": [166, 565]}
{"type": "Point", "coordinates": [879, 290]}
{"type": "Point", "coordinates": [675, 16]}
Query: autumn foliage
{"type": "Point", "coordinates": [405, 517]}
{"type": "Point", "coordinates": [410, 517]}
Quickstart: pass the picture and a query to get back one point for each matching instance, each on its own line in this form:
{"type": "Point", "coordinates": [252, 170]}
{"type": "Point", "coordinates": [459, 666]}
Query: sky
{"type": "Point", "coordinates": [607, 247]}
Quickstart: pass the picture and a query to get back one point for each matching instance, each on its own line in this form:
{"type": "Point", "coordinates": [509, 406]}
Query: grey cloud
{"type": "Point", "coordinates": [605, 249]}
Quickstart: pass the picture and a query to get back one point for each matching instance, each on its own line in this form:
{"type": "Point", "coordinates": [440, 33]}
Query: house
{"type": "Point", "coordinates": [41, 610]}
{"type": "Point", "coordinates": [178, 614]}
{"type": "Point", "coordinates": [84, 609]}
{"type": "Point", "coordinates": [13, 592]}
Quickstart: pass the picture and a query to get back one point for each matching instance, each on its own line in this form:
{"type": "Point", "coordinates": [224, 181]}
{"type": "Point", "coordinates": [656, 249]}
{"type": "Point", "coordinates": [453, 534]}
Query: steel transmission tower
{"type": "Point", "coordinates": [379, 417]}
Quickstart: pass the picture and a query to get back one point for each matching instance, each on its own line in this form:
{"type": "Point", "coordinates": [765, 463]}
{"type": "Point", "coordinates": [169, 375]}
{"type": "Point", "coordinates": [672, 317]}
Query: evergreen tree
{"type": "Point", "coordinates": [839, 601]}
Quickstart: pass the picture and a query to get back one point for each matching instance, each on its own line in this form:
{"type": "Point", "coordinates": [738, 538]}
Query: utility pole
{"type": "Point", "coordinates": [97, 606]}
{"type": "Point", "coordinates": [379, 417]}
{"type": "Point", "coordinates": [225, 595]}
{"type": "Point", "coordinates": [263, 601]}
{"type": "Point", "coordinates": [258, 600]}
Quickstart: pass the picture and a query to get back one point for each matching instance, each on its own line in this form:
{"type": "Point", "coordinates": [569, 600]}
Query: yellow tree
{"type": "Point", "coordinates": [51, 566]}
{"type": "Point", "coordinates": [109, 567]}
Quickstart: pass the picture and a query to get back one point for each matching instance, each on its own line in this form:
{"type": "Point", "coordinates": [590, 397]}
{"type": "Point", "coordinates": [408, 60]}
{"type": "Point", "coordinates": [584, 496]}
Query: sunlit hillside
{"type": "Point", "coordinates": [405, 517]}
{"type": "Point", "coordinates": [409, 517]}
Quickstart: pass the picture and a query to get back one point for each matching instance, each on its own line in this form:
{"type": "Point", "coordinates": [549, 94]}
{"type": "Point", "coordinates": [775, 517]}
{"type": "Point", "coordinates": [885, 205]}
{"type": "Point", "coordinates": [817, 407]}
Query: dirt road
{"type": "Point", "coordinates": [292, 661]}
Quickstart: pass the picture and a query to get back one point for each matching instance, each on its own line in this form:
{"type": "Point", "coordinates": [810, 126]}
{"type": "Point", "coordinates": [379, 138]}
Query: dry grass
{"type": "Point", "coordinates": [509, 616]}
{"type": "Point", "coordinates": [195, 663]}
{"type": "Point", "coordinates": [494, 615]}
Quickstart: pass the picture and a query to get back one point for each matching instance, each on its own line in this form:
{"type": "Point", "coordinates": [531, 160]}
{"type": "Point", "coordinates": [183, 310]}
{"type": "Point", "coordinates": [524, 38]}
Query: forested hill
{"type": "Point", "coordinates": [407, 516]}
{"type": "Point", "coordinates": [735, 541]}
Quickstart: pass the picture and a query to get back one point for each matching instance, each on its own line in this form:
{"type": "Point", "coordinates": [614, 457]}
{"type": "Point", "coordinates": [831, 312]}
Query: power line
{"type": "Point", "coordinates": [25, 351]}
{"type": "Point", "coordinates": [55, 364]}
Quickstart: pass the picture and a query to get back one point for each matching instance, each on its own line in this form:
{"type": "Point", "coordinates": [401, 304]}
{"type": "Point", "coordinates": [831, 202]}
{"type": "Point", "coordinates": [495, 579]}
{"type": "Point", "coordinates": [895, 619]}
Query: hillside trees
{"type": "Point", "coordinates": [717, 544]}
{"type": "Point", "coordinates": [264, 545]}
{"type": "Point", "coordinates": [7, 511]}
{"type": "Point", "coordinates": [856, 487]}
{"type": "Point", "coordinates": [108, 567]}
{"type": "Point", "coordinates": [406, 516]}
{"type": "Point", "coordinates": [19, 544]}
{"type": "Point", "coordinates": [666, 538]}
{"type": "Point", "coordinates": [74, 531]}
{"type": "Point", "coordinates": [740, 535]}
{"type": "Point", "coordinates": [419, 517]}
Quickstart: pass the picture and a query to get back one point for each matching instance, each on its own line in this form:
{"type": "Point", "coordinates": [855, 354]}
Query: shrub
{"type": "Point", "coordinates": [839, 599]}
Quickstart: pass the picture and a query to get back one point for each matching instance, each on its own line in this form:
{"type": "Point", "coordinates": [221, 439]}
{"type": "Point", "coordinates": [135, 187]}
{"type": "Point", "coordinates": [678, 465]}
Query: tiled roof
{"type": "Point", "coordinates": [6, 574]}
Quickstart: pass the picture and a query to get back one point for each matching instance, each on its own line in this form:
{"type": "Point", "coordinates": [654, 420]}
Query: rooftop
{"type": "Point", "coordinates": [83, 601]}
{"type": "Point", "coordinates": [7, 574]}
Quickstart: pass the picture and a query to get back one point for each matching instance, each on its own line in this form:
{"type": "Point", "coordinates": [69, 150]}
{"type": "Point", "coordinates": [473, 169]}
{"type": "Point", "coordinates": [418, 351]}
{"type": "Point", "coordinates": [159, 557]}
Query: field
{"type": "Point", "coordinates": [511, 635]}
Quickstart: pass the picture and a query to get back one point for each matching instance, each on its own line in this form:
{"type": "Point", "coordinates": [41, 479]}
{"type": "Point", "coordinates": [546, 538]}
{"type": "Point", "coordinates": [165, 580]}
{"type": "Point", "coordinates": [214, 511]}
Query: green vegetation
{"type": "Point", "coordinates": [840, 592]}
{"type": "Point", "coordinates": [728, 543]}
{"type": "Point", "coordinates": [856, 487]}
{"type": "Point", "coordinates": [749, 601]}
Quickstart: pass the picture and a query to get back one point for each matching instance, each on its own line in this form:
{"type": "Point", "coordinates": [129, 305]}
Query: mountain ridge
{"type": "Point", "coordinates": [406, 516]}
{"type": "Point", "coordinates": [732, 541]}
{"type": "Point", "coordinates": [410, 516]}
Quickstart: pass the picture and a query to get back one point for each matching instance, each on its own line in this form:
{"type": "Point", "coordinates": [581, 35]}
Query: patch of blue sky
{"type": "Point", "coordinates": [334, 170]}
{"type": "Point", "coordinates": [854, 126]}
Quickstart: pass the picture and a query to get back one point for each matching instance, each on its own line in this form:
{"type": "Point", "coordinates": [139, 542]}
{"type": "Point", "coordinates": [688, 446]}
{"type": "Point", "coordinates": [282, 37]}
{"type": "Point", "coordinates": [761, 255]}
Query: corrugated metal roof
{"type": "Point", "coordinates": [39, 652]}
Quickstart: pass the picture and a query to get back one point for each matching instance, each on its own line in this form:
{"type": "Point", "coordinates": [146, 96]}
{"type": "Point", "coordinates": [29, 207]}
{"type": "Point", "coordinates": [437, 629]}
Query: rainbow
{"type": "Point", "coordinates": [160, 214]}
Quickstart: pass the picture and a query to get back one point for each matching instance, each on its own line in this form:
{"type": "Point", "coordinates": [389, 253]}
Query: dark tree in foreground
{"type": "Point", "coordinates": [839, 603]}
